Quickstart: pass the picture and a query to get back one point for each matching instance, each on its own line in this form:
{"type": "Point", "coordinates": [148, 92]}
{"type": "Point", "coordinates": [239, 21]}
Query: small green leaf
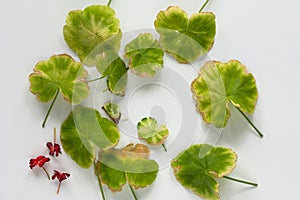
{"type": "Point", "coordinates": [150, 132]}
{"type": "Point", "coordinates": [220, 83]}
{"type": "Point", "coordinates": [60, 74]}
{"type": "Point", "coordinates": [111, 65]}
{"type": "Point", "coordinates": [186, 39]}
{"type": "Point", "coordinates": [130, 164]}
{"type": "Point", "coordinates": [112, 110]}
{"type": "Point", "coordinates": [83, 131]}
{"type": "Point", "coordinates": [145, 54]}
{"type": "Point", "coordinates": [90, 31]}
{"type": "Point", "coordinates": [197, 168]}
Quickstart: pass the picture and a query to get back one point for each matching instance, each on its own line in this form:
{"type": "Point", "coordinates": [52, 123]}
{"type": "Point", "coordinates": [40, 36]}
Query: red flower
{"type": "Point", "coordinates": [39, 161]}
{"type": "Point", "coordinates": [60, 177]}
{"type": "Point", "coordinates": [53, 149]}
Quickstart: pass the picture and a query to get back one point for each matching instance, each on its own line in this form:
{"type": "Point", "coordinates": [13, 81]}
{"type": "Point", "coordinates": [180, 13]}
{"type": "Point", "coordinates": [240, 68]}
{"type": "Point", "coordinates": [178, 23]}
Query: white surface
{"type": "Point", "coordinates": [264, 35]}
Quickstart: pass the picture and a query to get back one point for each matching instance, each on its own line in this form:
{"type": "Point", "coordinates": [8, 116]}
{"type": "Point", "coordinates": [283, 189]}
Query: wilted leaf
{"type": "Point", "coordinates": [112, 110]}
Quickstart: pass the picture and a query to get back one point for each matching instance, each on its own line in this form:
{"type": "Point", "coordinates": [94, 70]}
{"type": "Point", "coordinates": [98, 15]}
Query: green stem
{"type": "Point", "coordinates": [50, 108]}
{"type": "Point", "coordinates": [133, 193]}
{"type": "Point", "coordinates": [109, 2]}
{"type": "Point", "coordinates": [203, 6]}
{"type": "Point", "coordinates": [253, 126]}
{"type": "Point", "coordinates": [96, 79]}
{"type": "Point", "coordinates": [46, 173]}
{"type": "Point", "coordinates": [99, 182]}
{"type": "Point", "coordinates": [105, 90]}
{"type": "Point", "coordinates": [240, 181]}
{"type": "Point", "coordinates": [163, 145]}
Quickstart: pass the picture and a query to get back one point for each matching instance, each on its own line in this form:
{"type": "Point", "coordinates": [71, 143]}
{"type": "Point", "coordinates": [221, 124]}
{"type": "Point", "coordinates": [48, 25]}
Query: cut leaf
{"type": "Point", "coordinates": [130, 164]}
{"type": "Point", "coordinates": [112, 110]}
{"type": "Point", "coordinates": [150, 132]}
{"type": "Point", "coordinates": [110, 65]}
{"type": "Point", "coordinates": [220, 83]}
{"type": "Point", "coordinates": [197, 168]}
{"type": "Point", "coordinates": [145, 54]}
{"type": "Point", "coordinates": [90, 31]}
{"type": "Point", "coordinates": [85, 130]}
{"type": "Point", "coordinates": [60, 74]}
{"type": "Point", "coordinates": [186, 39]}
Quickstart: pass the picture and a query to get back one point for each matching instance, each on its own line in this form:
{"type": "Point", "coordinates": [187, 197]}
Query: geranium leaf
{"type": "Point", "coordinates": [220, 83]}
{"type": "Point", "coordinates": [110, 65]}
{"type": "Point", "coordinates": [83, 131]}
{"type": "Point", "coordinates": [112, 110]}
{"type": "Point", "coordinates": [90, 31]}
{"type": "Point", "coordinates": [130, 164]}
{"type": "Point", "coordinates": [150, 132]}
{"type": "Point", "coordinates": [145, 54]}
{"type": "Point", "coordinates": [60, 74]}
{"type": "Point", "coordinates": [197, 168]}
{"type": "Point", "coordinates": [186, 39]}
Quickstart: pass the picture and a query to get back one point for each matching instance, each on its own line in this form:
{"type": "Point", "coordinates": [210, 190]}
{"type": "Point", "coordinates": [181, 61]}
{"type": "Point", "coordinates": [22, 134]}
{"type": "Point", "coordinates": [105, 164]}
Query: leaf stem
{"type": "Point", "coordinates": [50, 108]}
{"type": "Point", "coordinates": [203, 6]}
{"type": "Point", "coordinates": [240, 181]}
{"type": "Point", "coordinates": [109, 2]}
{"type": "Point", "coordinates": [96, 79]}
{"type": "Point", "coordinates": [163, 145]}
{"type": "Point", "coordinates": [46, 172]}
{"type": "Point", "coordinates": [253, 126]}
{"type": "Point", "coordinates": [99, 182]}
{"type": "Point", "coordinates": [133, 193]}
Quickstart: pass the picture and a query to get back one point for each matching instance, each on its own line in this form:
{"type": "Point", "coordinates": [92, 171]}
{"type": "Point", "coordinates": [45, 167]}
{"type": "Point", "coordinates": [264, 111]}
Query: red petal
{"type": "Point", "coordinates": [43, 161]}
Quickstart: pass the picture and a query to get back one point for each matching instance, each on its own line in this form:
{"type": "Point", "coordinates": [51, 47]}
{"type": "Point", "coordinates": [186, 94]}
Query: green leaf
{"type": "Point", "coordinates": [220, 83]}
{"type": "Point", "coordinates": [83, 131]}
{"type": "Point", "coordinates": [112, 110]}
{"type": "Point", "coordinates": [111, 65]}
{"type": "Point", "coordinates": [90, 31]}
{"type": "Point", "coordinates": [150, 132]}
{"type": "Point", "coordinates": [197, 168]}
{"type": "Point", "coordinates": [145, 54]}
{"type": "Point", "coordinates": [130, 164]}
{"type": "Point", "coordinates": [60, 74]}
{"type": "Point", "coordinates": [186, 39]}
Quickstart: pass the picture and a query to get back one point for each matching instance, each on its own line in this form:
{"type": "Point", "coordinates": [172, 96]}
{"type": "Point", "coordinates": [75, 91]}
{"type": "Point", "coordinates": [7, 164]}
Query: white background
{"type": "Point", "coordinates": [264, 35]}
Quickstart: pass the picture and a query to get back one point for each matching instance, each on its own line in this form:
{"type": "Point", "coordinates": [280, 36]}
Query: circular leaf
{"type": "Point", "coordinates": [197, 167]}
{"type": "Point", "coordinates": [219, 83]}
{"type": "Point", "coordinates": [130, 164]}
{"type": "Point", "coordinates": [185, 38]}
{"type": "Point", "coordinates": [83, 131]}
{"type": "Point", "coordinates": [61, 73]}
{"type": "Point", "coordinates": [90, 31]}
{"type": "Point", "coordinates": [145, 54]}
{"type": "Point", "coordinates": [150, 132]}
